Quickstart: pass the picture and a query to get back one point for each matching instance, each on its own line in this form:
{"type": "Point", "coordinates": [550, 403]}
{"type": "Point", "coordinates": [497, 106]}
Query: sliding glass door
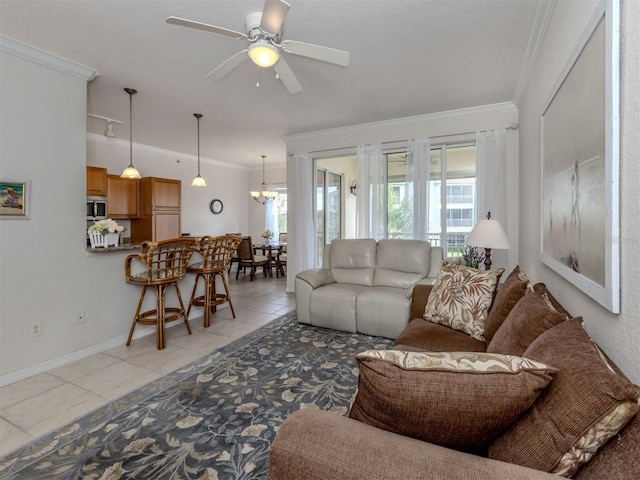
{"type": "Point", "coordinates": [328, 209]}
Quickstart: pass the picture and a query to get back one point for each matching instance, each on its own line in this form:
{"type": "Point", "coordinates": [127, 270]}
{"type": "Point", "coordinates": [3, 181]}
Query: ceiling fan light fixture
{"type": "Point", "coordinates": [263, 53]}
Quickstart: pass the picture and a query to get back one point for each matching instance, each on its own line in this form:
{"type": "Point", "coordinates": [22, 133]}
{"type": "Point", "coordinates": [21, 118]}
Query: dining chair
{"type": "Point", "coordinates": [248, 259]}
{"type": "Point", "coordinates": [215, 258]}
{"type": "Point", "coordinates": [234, 257]}
{"type": "Point", "coordinates": [282, 237]}
{"type": "Point", "coordinates": [159, 266]}
{"type": "Point", "coordinates": [281, 260]}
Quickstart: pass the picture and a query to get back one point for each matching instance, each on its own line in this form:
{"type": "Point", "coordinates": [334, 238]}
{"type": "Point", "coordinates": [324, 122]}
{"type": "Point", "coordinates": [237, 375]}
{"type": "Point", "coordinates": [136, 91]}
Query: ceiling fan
{"type": "Point", "coordinates": [263, 32]}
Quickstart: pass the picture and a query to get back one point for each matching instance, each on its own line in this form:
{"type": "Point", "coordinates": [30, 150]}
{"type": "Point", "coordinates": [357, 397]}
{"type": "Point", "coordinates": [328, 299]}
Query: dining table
{"type": "Point", "coordinates": [270, 250]}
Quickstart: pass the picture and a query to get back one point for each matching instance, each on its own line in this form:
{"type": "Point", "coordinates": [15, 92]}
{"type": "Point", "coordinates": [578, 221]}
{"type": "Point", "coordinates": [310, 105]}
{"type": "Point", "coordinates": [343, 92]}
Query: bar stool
{"type": "Point", "coordinates": [164, 263]}
{"type": "Point", "coordinates": [216, 253]}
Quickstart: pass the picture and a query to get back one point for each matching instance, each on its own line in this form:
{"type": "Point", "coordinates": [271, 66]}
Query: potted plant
{"type": "Point", "coordinates": [104, 233]}
{"type": "Point", "coordinates": [472, 257]}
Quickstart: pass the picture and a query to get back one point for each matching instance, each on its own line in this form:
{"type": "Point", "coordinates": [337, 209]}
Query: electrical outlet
{"type": "Point", "coordinates": [80, 318]}
{"type": "Point", "coordinates": [36, 329]}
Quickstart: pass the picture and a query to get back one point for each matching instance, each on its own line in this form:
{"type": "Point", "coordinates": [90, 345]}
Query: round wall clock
{"type": "Point", "coordinates": [216, 206]}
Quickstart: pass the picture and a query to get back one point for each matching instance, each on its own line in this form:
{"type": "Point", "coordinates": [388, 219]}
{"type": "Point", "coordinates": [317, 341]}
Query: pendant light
{"type": "Point", "coordinates": [263, 196]}
{"type": "Point", "coordinates": [131, 171]}
{"type": "Point", "coordinates": [198, 181]}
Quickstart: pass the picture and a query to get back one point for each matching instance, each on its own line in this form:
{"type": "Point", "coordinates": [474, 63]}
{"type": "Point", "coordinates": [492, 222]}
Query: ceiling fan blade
{"type": "Point", "coordinates": [225, 68]}
{"type": "Point", "coordinates": [273, 16]}
{"type": "Point", "coordinates": [325, 54]}
{"type": "Point", "coordinates": [183, 22]}
{"type": "Point", "coordinates": [287, 77]}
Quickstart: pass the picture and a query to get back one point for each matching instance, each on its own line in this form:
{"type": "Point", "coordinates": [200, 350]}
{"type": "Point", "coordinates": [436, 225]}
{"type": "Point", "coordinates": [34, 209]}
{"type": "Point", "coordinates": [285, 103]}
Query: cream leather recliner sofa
{"type": "Point", "coordinates": [365, 286]}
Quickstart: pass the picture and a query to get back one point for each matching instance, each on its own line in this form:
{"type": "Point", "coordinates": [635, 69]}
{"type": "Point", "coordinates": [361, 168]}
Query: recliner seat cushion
{"type": "Point", "coordinates": [334, 306]}
{"type": "Point", "coordinates": [382, 311]}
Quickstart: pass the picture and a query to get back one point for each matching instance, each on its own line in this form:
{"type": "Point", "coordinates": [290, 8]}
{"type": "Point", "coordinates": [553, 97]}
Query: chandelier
{"type": "Point", "coordinates": [263, 196]}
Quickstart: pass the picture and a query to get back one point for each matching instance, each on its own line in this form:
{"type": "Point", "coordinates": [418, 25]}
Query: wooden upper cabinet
{"type": "Point", "coordinates": [165, 193]}
{"type": "Point", "coordinates": [123, 197]}
{"type": "Point", "coordinates": [96, 181]}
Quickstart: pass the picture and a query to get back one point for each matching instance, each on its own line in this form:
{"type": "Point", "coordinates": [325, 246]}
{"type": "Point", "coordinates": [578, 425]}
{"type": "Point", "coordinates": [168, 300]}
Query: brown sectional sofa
{"type": "Point", "coordinates": [314, 444]}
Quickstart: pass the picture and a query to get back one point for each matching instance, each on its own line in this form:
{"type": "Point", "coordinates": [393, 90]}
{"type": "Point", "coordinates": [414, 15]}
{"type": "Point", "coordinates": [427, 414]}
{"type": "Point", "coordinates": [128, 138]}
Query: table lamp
{"type": "Point", "coordinates": [488, 234]}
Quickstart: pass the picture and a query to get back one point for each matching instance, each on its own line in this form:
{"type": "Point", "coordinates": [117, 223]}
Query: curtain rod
{"type": "Point", "coordinates": [513, 126]}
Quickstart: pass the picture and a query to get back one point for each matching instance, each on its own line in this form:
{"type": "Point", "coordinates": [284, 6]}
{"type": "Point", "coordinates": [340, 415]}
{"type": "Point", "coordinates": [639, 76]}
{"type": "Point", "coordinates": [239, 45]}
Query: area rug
{"type": "Point", "coordinates": [213, 419]}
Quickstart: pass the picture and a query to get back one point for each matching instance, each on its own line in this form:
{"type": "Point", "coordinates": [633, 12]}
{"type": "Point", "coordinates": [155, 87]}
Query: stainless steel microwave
{"type": "Point", "coordinates": [96, 208]}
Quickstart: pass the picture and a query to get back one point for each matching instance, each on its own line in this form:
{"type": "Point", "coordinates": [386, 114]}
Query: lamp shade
{"type": "Point", "coordinates": [263, 53]}
{"type": "Point", "coordinates": [488, 234]}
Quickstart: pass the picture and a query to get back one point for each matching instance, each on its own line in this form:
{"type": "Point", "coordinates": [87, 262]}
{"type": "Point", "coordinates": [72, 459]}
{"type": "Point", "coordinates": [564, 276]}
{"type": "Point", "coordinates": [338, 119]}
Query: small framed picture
{"type": "Point", "coordinates": [14, 200]}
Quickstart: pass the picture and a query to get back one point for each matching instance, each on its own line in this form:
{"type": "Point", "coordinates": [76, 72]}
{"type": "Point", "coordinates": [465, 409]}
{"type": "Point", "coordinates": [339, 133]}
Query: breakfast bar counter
{"type": "Point", "coordinates": [123, 247]}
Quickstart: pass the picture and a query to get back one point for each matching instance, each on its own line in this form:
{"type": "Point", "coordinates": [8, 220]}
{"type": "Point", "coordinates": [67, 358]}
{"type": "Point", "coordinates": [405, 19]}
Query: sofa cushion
{"type": "Point", "coordinates": [382, 311]}
{"type": "Point", "coordinates": [509, 293]}
{"type": "Point", "coordinates": [334, 306]}
{"type": "Point", "coordinates": [425, 335]}
{"type": "Point", "coordinates": [461, 298]}
{"type": "Point", "coordinates": [401, 263]}
{"type": "Point", "coordinates": [532, 315]}
{"type": "Point", "coordinates": [585, 405]}
{"type": "Point", "coordinates": [353, 260]}
{"type": "Point", "coordinates": [459, 400]}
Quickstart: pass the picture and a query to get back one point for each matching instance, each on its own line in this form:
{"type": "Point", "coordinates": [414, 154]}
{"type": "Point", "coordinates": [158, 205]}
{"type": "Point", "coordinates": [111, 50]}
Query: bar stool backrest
{"type": "Point", "coordinates": [217, 252]}
{"type": "Point", "coordinates": [164, 261]}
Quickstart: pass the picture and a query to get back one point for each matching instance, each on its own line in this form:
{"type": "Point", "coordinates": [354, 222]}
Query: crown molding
{"type": "Point", "coordinates": [97, 138]}
{"type": "Point", "coordinates": [46, 59]}
{"type": "Point", "coordinates": [408, 122]}
{"type": "Point", "coordinates": [539, 25]}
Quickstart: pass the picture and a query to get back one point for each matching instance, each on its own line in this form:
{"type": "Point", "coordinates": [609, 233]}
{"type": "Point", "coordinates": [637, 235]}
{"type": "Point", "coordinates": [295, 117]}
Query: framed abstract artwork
{"type": "Point", "coordinates": [14, 200]}
{"type": "Point", "coordinates": [580, 158]}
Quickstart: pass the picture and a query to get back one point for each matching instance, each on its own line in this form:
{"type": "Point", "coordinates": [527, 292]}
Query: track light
{"type": "Point", "coordinates": [108, 132]}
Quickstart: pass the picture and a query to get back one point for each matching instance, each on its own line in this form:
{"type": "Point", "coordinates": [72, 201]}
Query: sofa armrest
{"type": "Point", "coordinates": [419, 298]}
{"type": "Point", "coordinates": [317, 445]}
{"type": "Point", "coordinates": [316, 277]}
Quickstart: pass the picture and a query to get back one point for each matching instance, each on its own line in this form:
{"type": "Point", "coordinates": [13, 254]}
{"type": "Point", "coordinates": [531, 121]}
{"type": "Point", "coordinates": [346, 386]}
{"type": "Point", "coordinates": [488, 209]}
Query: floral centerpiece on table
{"type": "Point", "coordinates": [105, 227]}
{"type": "Point", "coordinates": [472, 257]}
{"type": "Point", "coordinates": [267, 235]}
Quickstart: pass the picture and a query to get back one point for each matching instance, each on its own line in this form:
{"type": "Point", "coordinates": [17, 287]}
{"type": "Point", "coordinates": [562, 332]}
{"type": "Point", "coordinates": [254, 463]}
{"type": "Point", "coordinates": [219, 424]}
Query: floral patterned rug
{"type": "Point", "coordinates": [213, 419]}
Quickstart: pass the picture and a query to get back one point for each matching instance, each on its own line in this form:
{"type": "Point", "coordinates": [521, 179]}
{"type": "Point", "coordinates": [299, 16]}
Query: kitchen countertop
{"type": "Point", "coordinates": [123, 247]}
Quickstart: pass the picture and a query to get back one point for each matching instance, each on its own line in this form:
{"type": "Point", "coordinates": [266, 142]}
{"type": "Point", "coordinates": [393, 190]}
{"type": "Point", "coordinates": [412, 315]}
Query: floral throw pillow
{"type": "Point", "coordinates": [461, 298]}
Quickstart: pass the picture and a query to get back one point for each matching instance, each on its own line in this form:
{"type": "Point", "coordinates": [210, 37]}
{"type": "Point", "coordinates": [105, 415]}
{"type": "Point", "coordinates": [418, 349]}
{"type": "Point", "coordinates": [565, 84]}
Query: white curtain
{"type": "Point", "coordinates": [271, 218]}
{"type": "Point", "coordinates": [300, 228]}
{"type": "Point", "coordinates": [491, 181]}
{"type": "Point", "coordinates": [372, 192]}
{"type": "Point", "coordinates": [418, 176]}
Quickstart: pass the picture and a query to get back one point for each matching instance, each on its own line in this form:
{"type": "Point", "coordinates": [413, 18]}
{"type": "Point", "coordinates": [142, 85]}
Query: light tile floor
{"type": "Point", "coordinates": [37, 405]}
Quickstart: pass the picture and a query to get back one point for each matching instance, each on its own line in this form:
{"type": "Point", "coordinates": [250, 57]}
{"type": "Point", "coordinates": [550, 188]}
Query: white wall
{"type": "Point", "coordinates": [225, 181]}
{"type": "Point", "coordinates": [618, 335]}
{"type": "Point", "coordinates": [46, 274]}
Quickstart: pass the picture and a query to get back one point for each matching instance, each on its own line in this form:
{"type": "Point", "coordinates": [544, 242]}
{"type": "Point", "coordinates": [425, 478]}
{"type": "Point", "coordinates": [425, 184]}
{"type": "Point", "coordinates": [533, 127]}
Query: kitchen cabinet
{"type": "Point", "coordinates": [123, 197]}
{"type": "Point", "coordinates": [96, 181]}
{"type": "Point", "coordinates": [160, 201]}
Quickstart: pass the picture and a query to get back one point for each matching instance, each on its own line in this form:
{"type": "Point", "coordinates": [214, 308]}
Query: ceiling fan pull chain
{"type": "Point", "coordinates": [257, 76]}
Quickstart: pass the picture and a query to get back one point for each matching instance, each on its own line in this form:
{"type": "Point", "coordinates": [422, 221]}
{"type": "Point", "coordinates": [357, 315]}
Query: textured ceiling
{"type": "Point", "coordinates": [408, 57]}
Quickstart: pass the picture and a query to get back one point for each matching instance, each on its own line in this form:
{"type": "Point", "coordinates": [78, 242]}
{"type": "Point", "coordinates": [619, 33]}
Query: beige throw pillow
{"type": "Point", "coordinates": [461, 298]}
{"type": "Point", "coordinates": [459, 400]}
